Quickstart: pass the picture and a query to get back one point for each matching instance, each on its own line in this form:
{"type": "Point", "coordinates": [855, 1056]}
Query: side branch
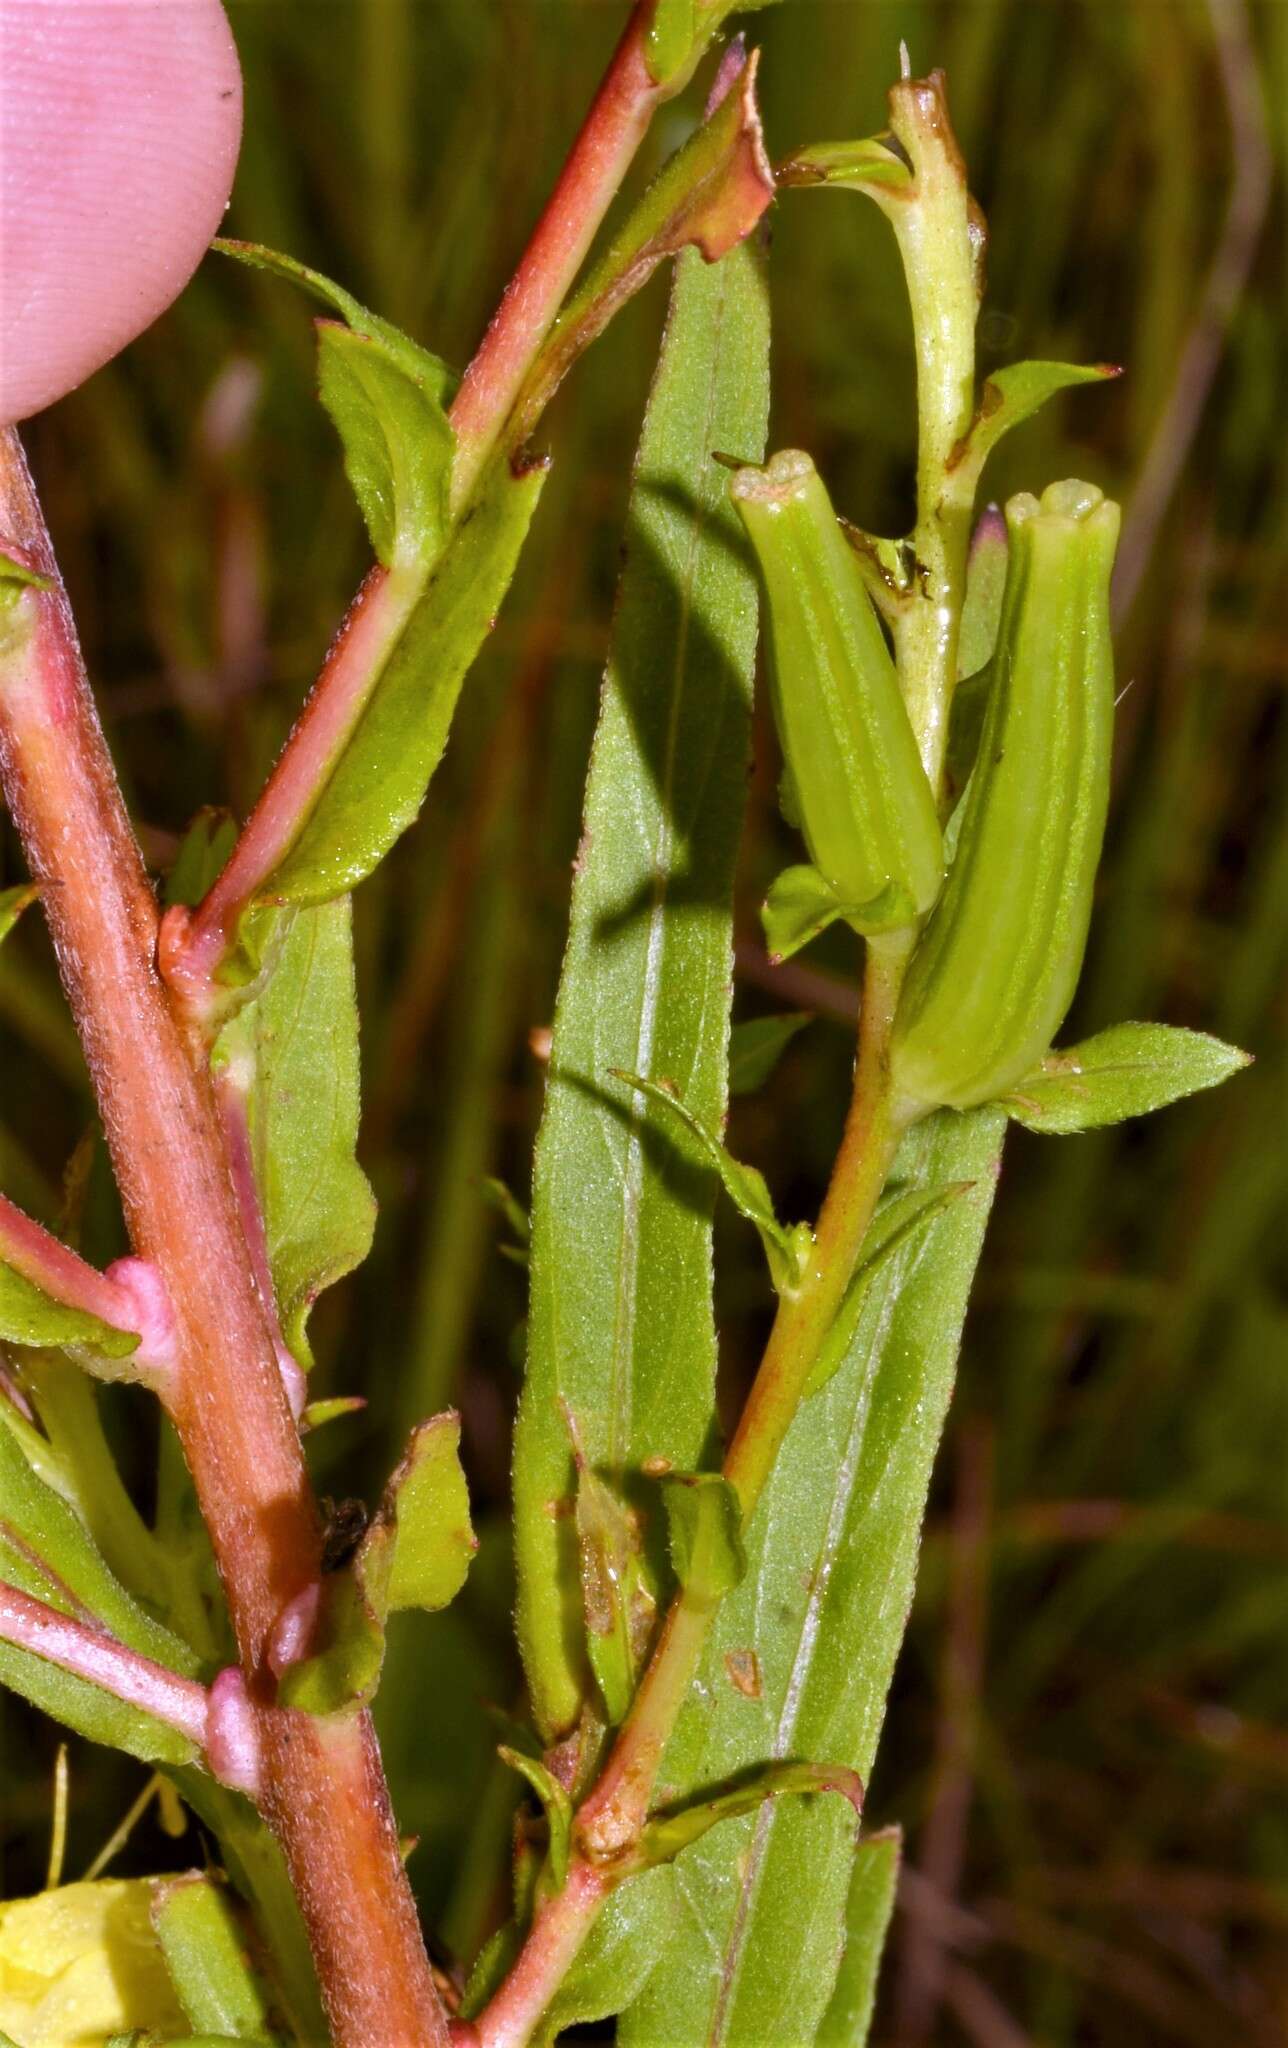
{"type": "Point", "coordinates": [59, 1272]}
{"type": "Point", "coordinates": [322, 1791]}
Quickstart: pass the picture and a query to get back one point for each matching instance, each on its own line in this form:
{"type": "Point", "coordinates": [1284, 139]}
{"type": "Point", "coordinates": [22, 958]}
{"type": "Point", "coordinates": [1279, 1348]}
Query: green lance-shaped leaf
{"type": "Point", "coordinates": [621, 1327]}
{"type": "Point", "coordinates": [867, 810]}
{"type": "Point", "coordinates": [873, 1883]}
{"type": "Point", "coordinates": [801, 1653]}
{"type": "Point", "coordinates": [709, 195]}
{"type": "Point", "coordinates": [387, 398]}
{"type": "Point", "coordinates": [618, 1597]}
{"type": "Point", "coordinates": [1010, 396]}
{"type": "Point", "coordinates": [416, 1553]}
{"type": "Point", "coordinates": [205, 1954]}
{"type": "Point", "coordinates": [376, 781]}
{"type": "Point", "coordinates": [1126, 1071]}
{"type": "Point", "coordinates": [756, 1046]}
{"type": "Point", "coordinates": [204, 848]}
{"type": "Point", "coordinates": [12, 904]}
{"type": "Point", "coordinates": [679, 31]}
{"type": "Point", "coordinates": [997, 965]}
{"type": "Point", "coordinates": [47, 1553]}
{"type": "Point", "coordinates": [29, 1316]}
{"type": "Point", "coordinates": [982, 607]}
{"type": "Point", "coordinates": [704, 1520]}
{"type": "Point", "coordinates": [671, 1833]}
{"type": "Point", "coordinates": [556, 1804]}
{"type": "Point", "coordinates": [294, 1053]}
{"type": "Point", "coordinates": [900, 1217]}
{"type": "Point", "coordinates": [745, 1185]}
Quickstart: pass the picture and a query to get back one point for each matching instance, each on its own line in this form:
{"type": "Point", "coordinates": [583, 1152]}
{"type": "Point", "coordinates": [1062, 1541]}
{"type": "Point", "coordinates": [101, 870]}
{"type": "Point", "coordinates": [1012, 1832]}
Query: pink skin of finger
{"type": "Point", "coordinates": [119, 127]}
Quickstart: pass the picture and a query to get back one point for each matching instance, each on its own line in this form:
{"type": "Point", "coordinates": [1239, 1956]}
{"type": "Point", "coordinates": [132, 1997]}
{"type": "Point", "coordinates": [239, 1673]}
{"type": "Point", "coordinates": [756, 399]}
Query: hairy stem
{"type": "Point", "coordinates": [59, 1272]}
{"type": "Point", "coordinates": [323, 1792]}
{"type": "Point", "coordinates": [618, 1807]}
{"type": "Point", "coordinates": [93, 1654]}
{"type": "Point", "coordinates": [940, 234]}
{"type": "Point", "coordinates": [614, 1814]}
{"type": "Point", "coordinates": [611, 134]}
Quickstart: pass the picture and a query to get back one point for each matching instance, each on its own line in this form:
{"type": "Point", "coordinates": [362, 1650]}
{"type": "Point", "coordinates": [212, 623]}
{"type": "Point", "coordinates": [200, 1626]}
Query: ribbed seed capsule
{"type": "Point", "coordinates": [867, 810]}
{"type": "Point", "coordinates": [996, 968]}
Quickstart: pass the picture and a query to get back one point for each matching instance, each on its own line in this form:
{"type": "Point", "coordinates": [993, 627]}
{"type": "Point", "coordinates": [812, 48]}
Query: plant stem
{"type": "Point", "coordinates": [323, 1791]}
{"type": "Point", "coordinates": [93, 1654]}
{"type": "Point", "coordinates": [193, 945]}
{"type": "Point", "coordinates": [561, 1925]}
{"type": "Point", "coordinates": [941, 235]}
{"type": "Point", "coordinates": [618, 1807]}
{"type": "Point", "coordinates": [615, 1812]}
{"type": "Point", "coordinates": [600, 157]}
{"type": "Point", "coordinates": [57, 1271]}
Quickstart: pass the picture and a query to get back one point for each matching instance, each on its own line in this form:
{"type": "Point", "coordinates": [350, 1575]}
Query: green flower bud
{"type": "Point", "coordinates": [866, 809]}
{"type": "Point", "coordinates": [996, 968]}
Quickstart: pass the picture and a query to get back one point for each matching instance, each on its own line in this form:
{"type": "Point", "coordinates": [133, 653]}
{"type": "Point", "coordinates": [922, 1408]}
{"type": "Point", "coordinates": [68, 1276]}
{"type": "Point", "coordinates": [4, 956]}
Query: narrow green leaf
{"type": "Point", "coordinates": [899, 1218]}
{"type": "Point", "coordinates": [203, 850]}
{"type": "Point", "coordinates": [416, 1553]}
{"type": "Point", "coordinates": [709, 196]}
{"type": "Point", "coordinates": [744, 1185]}
{"type": "Point", "coordinates": [621, 1328]}
{"type": "Point", "coordinates": [982, 608]}
{"type": "Point", "coordinates": [664, 1838]}
{"type": "Point", "coordinates": [756, 1046]}
{"type": "Point", "coordinates": [12, 904]}
{"type": "Point", "coordinates": [1010, 396]}
{"type": "Point", "coordinates": [419, 366]}
{"type": "Point", "coordinates": [426, 1512]}
{"type": "Point", "coordinates": [801, 904]}
{"type": "Point", "coordinates": [318, 1413]}
{"type": "Point", "coordinates": [344, 1668]}
{"type": "Point", "coordinates": [19, 576]}
{"type": "Point", "coordinates": [618, 1598]}
{"type": "Point", "coordinates": [832, 1553]}
{"type": "Point", "coordinates": [849, 166]}
{"type": "Point", "coordinates": [299, 1040]}
{"type": "Point", "coordinates": [206, 1956]}
{"type": "Point", "coordinates": [387, 397]}
{"type": "Point", "coordinates": [378, 781]}
{"type": "Point", "coordinates": [704, 1520]}
{"type": "Point", "coordinates": [85, 1708]}
{"type": "Point", "coordinates": [46, 1550]}
{"type": "Point", "coordinates": [29, 1316]}
{"type": "Point", "coordinates": [619, 1955]}
{"type": "Point", "coordinates": [1126, 1071]}
{"type": "Point", "coordinates": [398, 444]}
{"type": "Point", "coordinates": [873, 1883]}
{"type": "Point", "coordinates": [556, 1805]}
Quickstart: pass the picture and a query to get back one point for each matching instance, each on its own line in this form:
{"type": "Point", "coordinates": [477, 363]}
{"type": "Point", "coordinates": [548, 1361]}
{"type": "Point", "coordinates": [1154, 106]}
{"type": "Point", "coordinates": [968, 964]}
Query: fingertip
{"type": "Point", "coordinates": [120, 123]}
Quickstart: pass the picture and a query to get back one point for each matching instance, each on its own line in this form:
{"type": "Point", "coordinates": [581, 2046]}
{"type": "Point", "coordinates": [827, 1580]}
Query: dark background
{"type": "Point", "coordinates": [1086, 1743]}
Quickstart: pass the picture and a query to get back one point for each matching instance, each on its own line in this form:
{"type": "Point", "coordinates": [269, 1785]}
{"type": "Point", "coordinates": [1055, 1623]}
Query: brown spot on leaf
{"type": "Point", "coordinates": [743, 1668]}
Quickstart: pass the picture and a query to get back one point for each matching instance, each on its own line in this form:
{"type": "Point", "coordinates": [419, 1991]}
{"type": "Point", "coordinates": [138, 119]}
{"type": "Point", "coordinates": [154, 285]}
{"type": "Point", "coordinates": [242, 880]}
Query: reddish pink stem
{"type": "Point", "coordinates": [193, 944]}
{"type": "Point", "coordinates": [322, 1791]}
{"type": "Point", "coordinates": [57, 1270]}
{"type": "Point", "coordinates": [91, 1653]}
{"type": "Point", "coordinates": [598, 161]}
{"type": "Point", "coordinates": [560, 1928]}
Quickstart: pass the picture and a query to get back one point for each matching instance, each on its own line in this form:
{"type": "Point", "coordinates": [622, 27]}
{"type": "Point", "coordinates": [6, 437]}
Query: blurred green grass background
{"type": "Point", "coordinates": [1087, 1743]}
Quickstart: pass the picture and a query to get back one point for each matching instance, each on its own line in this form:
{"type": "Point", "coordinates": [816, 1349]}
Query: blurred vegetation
{"type": "Point", "coordinates": [1087, 1744]}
